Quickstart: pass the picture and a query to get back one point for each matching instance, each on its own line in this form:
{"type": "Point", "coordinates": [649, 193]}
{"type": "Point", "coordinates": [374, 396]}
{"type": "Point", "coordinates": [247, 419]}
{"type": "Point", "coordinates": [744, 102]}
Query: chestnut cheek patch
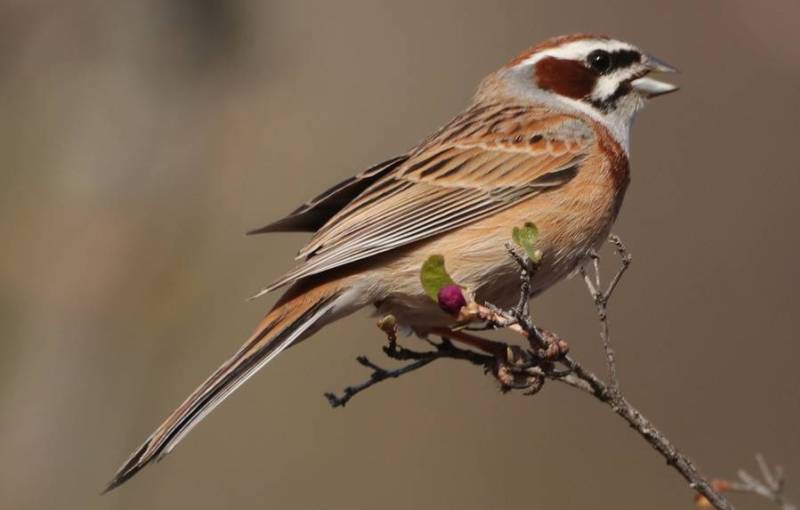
{"type": "Point", "coordinates": [568, 78]}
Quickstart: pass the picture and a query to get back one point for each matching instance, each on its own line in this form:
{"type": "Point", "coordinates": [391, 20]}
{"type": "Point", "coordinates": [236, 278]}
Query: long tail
{"type": "Point", "coordinates": [293, 318]}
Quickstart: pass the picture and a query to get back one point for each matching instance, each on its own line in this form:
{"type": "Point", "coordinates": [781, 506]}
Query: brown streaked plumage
{"type": "Point", "coordinates": [545, 140]}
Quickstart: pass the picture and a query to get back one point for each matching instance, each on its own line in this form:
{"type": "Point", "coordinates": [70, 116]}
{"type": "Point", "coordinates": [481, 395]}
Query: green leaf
{"type": "Point", "coordinates": [525, 238]}
{"type": "Point", "coordinates": [434, 276]}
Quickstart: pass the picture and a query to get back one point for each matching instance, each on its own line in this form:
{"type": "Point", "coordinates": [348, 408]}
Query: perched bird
{"type": "Point", "coordinates": [545, 140]}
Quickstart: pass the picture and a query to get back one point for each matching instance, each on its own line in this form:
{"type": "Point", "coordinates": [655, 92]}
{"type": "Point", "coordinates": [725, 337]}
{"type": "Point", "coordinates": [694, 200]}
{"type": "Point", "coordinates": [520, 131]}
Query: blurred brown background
{"type": "Point", "coordinates": [140, 139]}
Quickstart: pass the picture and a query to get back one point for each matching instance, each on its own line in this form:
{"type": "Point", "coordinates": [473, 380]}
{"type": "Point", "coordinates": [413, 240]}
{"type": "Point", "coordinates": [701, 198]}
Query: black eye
{"type": "Point", "coordinates": [599, 60]}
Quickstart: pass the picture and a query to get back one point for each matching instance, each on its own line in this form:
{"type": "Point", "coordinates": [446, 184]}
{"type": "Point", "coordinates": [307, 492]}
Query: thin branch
{"type": "Point", "coordinates": [547, 359]}
{"type": "Point", "coordinates": [657, 439]}
{"type": "Point", "coordinates": [378, 374]}
{"type": "Point", "coordinates": [527, 270]}
{"type": "Point", "coordinates": [625, 259]}
{"type": "Point", "coordinates": [443, 349]}
{"type": "Point", "coordinates": [602, 298]}
{"type": "Point", "coordinates": [770, 486]}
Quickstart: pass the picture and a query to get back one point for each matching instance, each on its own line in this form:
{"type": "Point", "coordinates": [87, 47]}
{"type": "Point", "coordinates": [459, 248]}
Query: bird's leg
{"type": "Point", "coordinates": [547, 345]}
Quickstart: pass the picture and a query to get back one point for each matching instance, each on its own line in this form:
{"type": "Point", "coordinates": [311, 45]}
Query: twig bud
{"type": "Point", "coordinates": [451, 298]}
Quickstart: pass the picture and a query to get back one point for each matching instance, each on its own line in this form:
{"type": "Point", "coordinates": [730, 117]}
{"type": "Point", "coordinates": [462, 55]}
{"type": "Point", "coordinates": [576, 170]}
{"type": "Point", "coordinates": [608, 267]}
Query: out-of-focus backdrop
{"type": "Point", "coordinates": [139, 140]}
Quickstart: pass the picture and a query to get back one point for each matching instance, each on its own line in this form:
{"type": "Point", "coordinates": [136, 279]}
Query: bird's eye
{"type": "Point", "coordinates": [599, 60]}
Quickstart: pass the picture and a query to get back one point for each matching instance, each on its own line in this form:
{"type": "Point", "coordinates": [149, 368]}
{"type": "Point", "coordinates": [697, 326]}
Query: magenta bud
{"type": "Point", "coordinates": [451, 299]}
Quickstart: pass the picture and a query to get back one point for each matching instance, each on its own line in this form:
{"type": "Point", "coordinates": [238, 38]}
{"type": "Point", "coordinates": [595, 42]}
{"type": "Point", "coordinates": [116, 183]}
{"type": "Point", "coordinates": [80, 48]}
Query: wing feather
{"type": "Point", "coordinates": [313, 214]}
{"type": "Point", "coordinates": [448, 182]}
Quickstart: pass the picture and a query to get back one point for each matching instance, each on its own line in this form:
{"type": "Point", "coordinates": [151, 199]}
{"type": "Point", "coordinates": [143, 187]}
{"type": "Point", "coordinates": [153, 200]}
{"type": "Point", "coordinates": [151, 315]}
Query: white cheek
{"type": "Point", "coordinates": [605, 86]}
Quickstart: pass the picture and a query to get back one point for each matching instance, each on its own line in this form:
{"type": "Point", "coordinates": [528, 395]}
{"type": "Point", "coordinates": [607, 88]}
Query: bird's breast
{"type": "Point", "coordinates": [572, 220]}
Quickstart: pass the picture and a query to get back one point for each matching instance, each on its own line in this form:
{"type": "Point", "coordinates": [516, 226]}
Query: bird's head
{"type": "Point", "coordinates": [605, 78]}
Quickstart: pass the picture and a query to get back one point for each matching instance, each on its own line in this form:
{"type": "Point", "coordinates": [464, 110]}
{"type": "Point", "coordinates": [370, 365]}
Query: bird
{"type": "Point", "coordinates": [545, 140]}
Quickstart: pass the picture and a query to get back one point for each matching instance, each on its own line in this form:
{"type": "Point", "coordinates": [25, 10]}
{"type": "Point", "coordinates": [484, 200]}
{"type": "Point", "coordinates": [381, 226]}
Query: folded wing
{"type": "Point", "coordinates": [447, 183]}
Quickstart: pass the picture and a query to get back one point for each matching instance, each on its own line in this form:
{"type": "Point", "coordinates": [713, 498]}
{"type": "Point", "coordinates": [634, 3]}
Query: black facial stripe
{"type": "Point", "coordinates": [609, 103]}
{"type": "Point", "coordinates": [624, 58]}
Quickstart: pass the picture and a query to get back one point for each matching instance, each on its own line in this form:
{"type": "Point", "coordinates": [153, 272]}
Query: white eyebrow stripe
{"type": "Point", "coordinates": [576, 50]}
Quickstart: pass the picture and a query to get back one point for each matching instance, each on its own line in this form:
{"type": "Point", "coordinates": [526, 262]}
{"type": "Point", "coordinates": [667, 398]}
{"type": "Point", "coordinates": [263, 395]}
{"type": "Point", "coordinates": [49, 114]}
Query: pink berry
{"type": "Point", "coordinates": [451, 299]}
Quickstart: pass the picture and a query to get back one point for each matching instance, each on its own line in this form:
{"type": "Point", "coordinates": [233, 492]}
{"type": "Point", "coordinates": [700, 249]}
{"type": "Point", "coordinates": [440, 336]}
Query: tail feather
{"type": "Point", "coordinates": [283, 326]}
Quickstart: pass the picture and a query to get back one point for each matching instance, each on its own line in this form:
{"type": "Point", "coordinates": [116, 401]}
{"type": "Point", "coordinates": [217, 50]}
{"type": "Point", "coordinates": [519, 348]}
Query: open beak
{"type": "Point", "coordinates": [650, 87]}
